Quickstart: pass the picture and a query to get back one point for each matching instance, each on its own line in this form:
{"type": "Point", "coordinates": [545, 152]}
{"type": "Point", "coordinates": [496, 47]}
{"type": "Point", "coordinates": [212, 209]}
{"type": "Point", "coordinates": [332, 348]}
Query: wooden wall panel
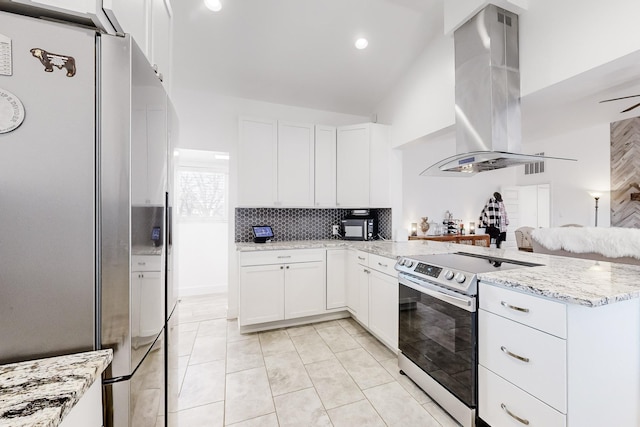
{"type": "Point", "coordinates": [625, 173]}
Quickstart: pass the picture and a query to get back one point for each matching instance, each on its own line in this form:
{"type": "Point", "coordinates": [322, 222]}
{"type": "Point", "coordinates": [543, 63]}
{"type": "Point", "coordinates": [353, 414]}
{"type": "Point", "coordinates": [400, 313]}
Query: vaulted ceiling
{"type": "Point", "coordinates": [301, 52]}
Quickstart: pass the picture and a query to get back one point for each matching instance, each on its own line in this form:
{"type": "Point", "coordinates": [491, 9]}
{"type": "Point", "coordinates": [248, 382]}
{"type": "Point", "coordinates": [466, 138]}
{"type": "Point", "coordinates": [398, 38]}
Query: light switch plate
{"type": "Point", "coordinates": [335, 230]}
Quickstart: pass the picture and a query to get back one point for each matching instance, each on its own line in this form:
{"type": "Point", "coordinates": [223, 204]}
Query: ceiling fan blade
{"type": "Point", "coordinates": [631, 108]}
{"type": "Point", "coordinates": [617, 99]}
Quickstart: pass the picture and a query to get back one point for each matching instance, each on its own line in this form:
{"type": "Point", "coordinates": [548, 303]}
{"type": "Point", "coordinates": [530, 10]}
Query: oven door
{"type": "Point", "coordinates": [438, 333]}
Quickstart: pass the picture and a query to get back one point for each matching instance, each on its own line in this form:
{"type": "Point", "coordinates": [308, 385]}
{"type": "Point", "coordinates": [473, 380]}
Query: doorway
{"type": "Point", "coordinates": [526, 205]}
{"type": "Point", "coordinates": [202, 223]}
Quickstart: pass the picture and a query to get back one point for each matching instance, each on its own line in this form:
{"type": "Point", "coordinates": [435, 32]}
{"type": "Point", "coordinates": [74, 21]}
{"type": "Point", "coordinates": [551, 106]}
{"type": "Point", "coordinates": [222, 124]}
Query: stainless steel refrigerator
{"type": "Point", "coordinates": [83, 188]}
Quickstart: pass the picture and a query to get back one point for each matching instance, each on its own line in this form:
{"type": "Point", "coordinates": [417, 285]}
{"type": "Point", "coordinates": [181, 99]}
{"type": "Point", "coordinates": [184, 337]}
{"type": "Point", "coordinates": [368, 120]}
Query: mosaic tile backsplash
{"type": "Point", "coordinates": [300, 224]}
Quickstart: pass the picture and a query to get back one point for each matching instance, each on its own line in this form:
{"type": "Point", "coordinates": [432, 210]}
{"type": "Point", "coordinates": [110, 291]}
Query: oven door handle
{"type": "Point", "coordinates": [465, 303]}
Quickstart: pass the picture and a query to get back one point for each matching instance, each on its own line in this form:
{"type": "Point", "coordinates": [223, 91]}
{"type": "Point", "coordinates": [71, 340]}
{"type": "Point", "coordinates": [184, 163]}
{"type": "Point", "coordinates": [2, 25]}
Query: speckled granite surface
{"type": "Point", "coordinates": [570, 280]}
{"type": "Point", "coordinates": [42, 392]}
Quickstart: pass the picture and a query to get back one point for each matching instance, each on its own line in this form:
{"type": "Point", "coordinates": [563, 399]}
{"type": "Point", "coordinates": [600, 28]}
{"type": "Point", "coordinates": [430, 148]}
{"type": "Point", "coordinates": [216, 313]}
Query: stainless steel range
{"type": "Point", "coordinates": [438, 325]}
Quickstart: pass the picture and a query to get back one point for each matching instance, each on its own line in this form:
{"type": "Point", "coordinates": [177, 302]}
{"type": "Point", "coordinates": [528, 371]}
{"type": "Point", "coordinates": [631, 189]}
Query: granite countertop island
{"type": "Point", "coordinates": [42, 392]}
{"type": "Point", "coordinates": [569, 280]}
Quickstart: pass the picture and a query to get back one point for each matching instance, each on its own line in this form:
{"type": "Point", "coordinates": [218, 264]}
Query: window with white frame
{"type": "Point", "coordinates": [202, 194]}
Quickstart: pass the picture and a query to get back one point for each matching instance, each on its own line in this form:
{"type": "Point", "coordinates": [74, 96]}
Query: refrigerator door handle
{"type": "Point", "coordinates": [108, 381]}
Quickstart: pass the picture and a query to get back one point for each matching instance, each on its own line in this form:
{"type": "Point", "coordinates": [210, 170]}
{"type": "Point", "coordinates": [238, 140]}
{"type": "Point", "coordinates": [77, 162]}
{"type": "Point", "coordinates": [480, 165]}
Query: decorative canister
{"type": "Point", "coordinates": [424, 225]}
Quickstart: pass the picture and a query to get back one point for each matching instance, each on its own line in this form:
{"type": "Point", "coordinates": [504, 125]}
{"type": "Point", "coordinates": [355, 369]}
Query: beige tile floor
{"type": "Point", "coordinates": [324, 374]}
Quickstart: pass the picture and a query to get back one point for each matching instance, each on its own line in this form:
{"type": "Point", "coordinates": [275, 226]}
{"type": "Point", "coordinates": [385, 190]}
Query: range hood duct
{"type": "Point", "coordinates": [487, 85]}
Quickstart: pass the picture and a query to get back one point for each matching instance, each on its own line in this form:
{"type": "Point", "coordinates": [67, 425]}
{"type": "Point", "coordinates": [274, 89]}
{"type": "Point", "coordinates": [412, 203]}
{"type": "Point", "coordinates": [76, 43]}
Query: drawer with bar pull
{"type": "Point", "coordinates": [383, 264]}
{"type": "Point", "coordinates": [534, 360]}
{"type": "Point", "coordinates": [268, 257]}
{"type": "Point", "coordinates": [539, 313]}
{"type": "Point", "coordinates": [503, 404]}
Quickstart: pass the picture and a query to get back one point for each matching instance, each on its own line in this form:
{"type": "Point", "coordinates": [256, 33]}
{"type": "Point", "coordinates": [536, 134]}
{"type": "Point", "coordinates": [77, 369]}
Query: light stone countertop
{"type": "Point", "coordinates": [564, 279]}
{"type": "Point", "coordinates": [42, 392]}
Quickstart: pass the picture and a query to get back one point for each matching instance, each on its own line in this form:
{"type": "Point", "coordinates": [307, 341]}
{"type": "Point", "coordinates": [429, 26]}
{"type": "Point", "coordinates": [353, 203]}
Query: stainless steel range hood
{"type": "Point", "coordinates": [487, 79]}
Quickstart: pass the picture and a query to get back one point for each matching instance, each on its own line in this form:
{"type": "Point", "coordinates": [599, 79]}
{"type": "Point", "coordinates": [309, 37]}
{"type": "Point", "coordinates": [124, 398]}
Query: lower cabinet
{"type": "Point", "coordinates": [373, 295]}
{"type": "Point", "coordinates": [147, 297]}
{"type": "Point", "coordinates": [88, 411]}
{"type": "Point", "coordinates": [383, 307]}
{"type": "Point", "coordinates": [304, 289]}
{"type": "Point", "coordinates": [290, 284]}
{"type": "Point", "coordinates": [261, 294]}
{"type": "Point", "coordinates": [337, 261]}
{"type": "Point", "coordinates": [546, 363]}
{"type": "Point", "coordinates": [288, 290]}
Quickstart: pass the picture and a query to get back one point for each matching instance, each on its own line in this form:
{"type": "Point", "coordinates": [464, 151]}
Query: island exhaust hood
{"type": "Point", "coordinates": [487, 84]}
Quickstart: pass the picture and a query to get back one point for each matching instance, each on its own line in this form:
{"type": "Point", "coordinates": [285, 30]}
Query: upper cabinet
{"type": "Point", "coordinates": [258, 160]}
{"type": "Point", "coordinates": [295, 164]}
{"type": "Point", "coordinates": [150, 24]}
{"type": "Point", "coordinates": [160, 36]}
{"type": "Point", "coordinates": [301, 165]}
{"type": "Point", "coordinates": [85, 12]}
{"type": "Point", "coordinates": [131, 17]}
{"type": "Point", "coordinates": [363, 161]}
{"type": "Point", "coordinates": [353, 166]}
{"type": "Point", "coordinates": [276, 163]}
{"type": "Point", "coordinates": [325, 167]}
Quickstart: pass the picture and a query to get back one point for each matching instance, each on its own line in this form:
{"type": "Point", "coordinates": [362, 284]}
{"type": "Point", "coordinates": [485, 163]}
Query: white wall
{"type": "Point", "coordinates": [423, 102]}
{"type": "Point", "coordinates": [210, 122]}
{"type": "Point", "coordinates": [561, 39]}
{"type": "Point", "coordinates": [433, 196]}
{"type": "Point", "coordinates": [202, 260]}
{"type": "Point", "coordinates": [465, 197]}
{"type": "Point", "coordinates": [571, 181]}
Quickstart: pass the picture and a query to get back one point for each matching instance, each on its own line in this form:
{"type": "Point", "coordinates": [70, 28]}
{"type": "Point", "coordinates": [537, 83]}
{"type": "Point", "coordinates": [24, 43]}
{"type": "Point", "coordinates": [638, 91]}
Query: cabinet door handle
{"type": "Point", "coordinates": [282, 267]}
{"type": "Point", "coordinates": [142, 263]}
{"type": "Point", "coordinates": [361, 258]}
{"type": "Point", "coordinates": [515, 356]}
{"type": "Point", "coordinates": [514, 416]}
{"type": "Point", "coordinates": [513, 307]}
{"type": "Point", "coordinates": [382, 265]}
{"type": "Point", "coordinates": [287, 267]}
{"type": "Point", "coordinates": [367, 271]}
{"type": "Point", "coordinates": [284, 256]}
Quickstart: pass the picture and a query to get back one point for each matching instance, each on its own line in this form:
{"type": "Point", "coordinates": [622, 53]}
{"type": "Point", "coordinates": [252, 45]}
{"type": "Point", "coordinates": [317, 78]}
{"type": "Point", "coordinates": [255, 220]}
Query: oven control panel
{"type": "Point", "coordinates": [429, 270]}
{"type": "Point", "coordinates": [438, 275]}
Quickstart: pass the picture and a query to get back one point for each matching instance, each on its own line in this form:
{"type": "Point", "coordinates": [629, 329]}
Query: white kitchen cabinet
{"type": "Point", "coordinates": [257, 162]}
{"type": "Point", "coordinates": [337, 260]}
{"type": "Point", "coordinates": [363, 153]}
{"type": "Point", "coordinates": [76, 10]}
{"type": "Point", "coordinates": [280, 285]}
{"type": "Point", "coordinates": [160, 36]}
{"type": "Point", "coordinates": [325, 167]}
{"type": "Point", "coordinates": [543, 372]}
{"type": "Point", "coordinates": [383, 307]}
{"type": "Point", "coordinates": [362, 284]}
{"type": "Point", "coordinates": [555, 364]}
{"type": "Point", "coordinates": [130, 17]}
{"type": "Point", "coordinates": [88, 411]}
{"type": "Point", "coordinates": [352, 167]}
{"type": "Point", "coordinates": [296, 164]}
{"type": "Point", "coordinates": [148, 156]}
{"type": "Point", "coordinates": [304, 289]}
{"type": "Point", "coordinates": [372, 295]}
{"type": "Point", "coordinates": [147, 296]}
{"type": "Point", "coordinates": [150, 24]}
{"type": "Point", "coordinates": [152, 302]}
{"type": "Point", "coordinates": [358, 285]}
{"type": "Point", "coordinates": [379, 166]}
{"type": "Point", "coordinates": [261, 294]}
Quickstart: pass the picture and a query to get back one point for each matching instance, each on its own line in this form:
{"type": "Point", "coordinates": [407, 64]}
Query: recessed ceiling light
{"type": "Point", "coordinates": [214, 5]}
{"type": "Point", "coordinates": [362, 43]}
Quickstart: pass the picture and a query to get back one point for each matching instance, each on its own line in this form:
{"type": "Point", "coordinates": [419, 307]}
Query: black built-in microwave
{"type": "Point", "coordinates": [359, 228]}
